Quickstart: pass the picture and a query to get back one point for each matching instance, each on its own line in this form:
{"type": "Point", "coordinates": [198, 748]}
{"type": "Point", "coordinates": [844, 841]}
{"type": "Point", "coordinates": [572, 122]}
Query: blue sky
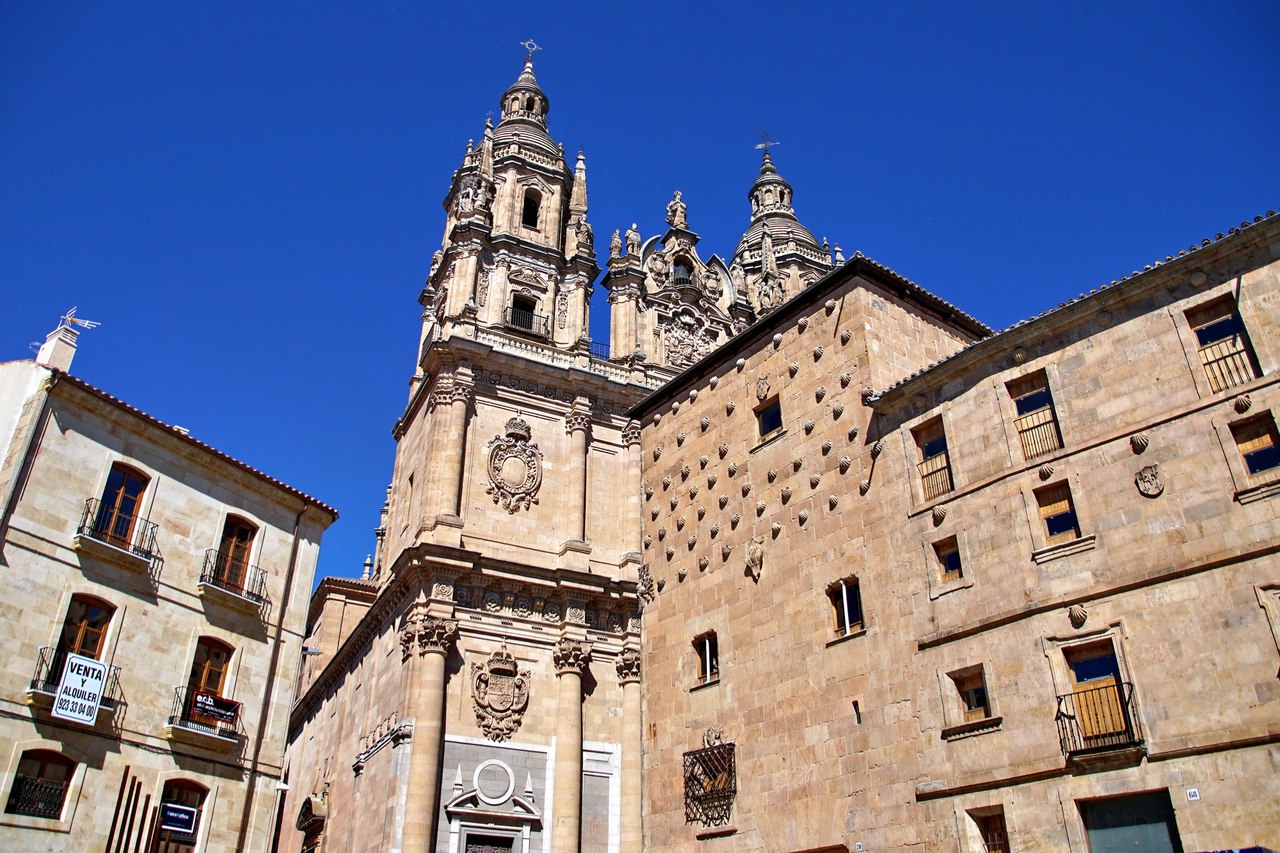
{"type": "Point", "coordinates": [247, 195]}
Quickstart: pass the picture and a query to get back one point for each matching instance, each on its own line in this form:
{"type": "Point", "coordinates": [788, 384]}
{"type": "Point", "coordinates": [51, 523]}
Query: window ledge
{"type": "Point", "coordinates": [719, 832]}
{"type": "Point", "coordinates": [224, 741]}
{"type": "Point", "coordinates": [973, 728]}
{"type": "Point", "coordinates": [769, 439]}
{"type": "Point", "coordinates": [1258, 493]}
{"type": "Point", "coordinates": [704, 685]}
{"type": "Point", "coordinates": [111, 553]}
{"type": "Point", "coordinates": [47, 824]}
{"type": "Point", "coordinates": [1066, 549]}
{"type": "Point", "coordinates": [947, 587]}
{"type": "Point", "coordinates": [843, 637]}
{"type": "Point", "coordinates": [240, 601]}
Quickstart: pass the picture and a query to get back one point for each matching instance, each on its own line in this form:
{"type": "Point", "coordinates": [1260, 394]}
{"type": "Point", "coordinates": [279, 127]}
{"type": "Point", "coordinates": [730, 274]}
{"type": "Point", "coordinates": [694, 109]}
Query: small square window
{"type": "Point", "coordinates": [769, 418]}
{"type": "Point", "coordinates": [1258, 443]}
{"type": "Point", "coordinates": [972, 689]}
{"type": "Point", "coordinates": [708, 650]}
{"type": "Point", "coordinates": [1059, 513]}
{"type": "Point", "coordinates": [947, 553]}
{"type": "Point", "coordinates": [846, 606]}
{"type": "Point", "coordinates": [991, 828]}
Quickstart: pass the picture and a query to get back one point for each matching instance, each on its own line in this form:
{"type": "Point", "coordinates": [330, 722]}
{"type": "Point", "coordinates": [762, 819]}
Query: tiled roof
{"type": "Point", "coordinates": [925, 296]}
{"type": "Point", "coordinates": [1192, 249]}
{"type": "Point", "coordinates": [63, 376]}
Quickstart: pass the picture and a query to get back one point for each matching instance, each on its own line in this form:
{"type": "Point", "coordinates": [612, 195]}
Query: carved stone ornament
{"type": "Point", "coordinates": [422, 634]}
{"type": "Point", "coordinates": [762, 388]}
{"type": "Point", "coordinates": [644, 585]}
{"type": "Point", "coordinates": [1148, 481]}
{"type": "Point", "coordinates": [499, 694]}
{"type": "Point", "coordinates": [1242, 403]}
{"type": "Point", "coordinates": [687, 341]}
{"type": "Point", "coordinates": [1138, 442]}
{"type": "Point", "coordinates": [939, 514]}
{"type": "Point", "coordinates": [1078, 615]}
{"type": "Point", "coordinates": [845, 336]}
{"type": "Point", "coordinates": [803, 323]}
{"type": "Point", "coordinates": [755, 558]}
{"type": "Point", "coordinates": [1046, 471]}
{"type": "Point", "coordinates": [628, 666]}
{"type": "Point", "coordinates": [514, 468]}
{"type": "Point", "coordinates": [571, 656]}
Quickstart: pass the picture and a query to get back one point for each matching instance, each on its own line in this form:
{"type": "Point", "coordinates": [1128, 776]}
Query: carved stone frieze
{"type": "Point", "coordinates": [571, 656]}
{"type": "Point", "coordinates": [514, 468]}
{"type": "Point", "coordinates": [499, 694]}
{"type": "Point", "coordinates": [628, 666]}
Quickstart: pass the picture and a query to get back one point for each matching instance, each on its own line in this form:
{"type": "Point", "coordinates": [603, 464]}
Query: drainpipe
{"type": "Point", "coordinates": [30, 449]}
{"type": "Point", "coordinates": [271, 679]}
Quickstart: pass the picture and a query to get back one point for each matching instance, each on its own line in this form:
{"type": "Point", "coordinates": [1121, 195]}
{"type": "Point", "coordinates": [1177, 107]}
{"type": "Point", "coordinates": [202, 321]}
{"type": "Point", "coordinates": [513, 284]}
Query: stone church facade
{"type": "Point", "coordinates": [807, 558]}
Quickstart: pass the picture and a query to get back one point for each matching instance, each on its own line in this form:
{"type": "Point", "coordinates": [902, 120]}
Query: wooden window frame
{"type": "Point", "coordinates": [1228, 360]}
{"type": "Point", "coordinates": [974, 696]}
{"type": "Point", "coordinates": [1056, 496]}
{"type": "Point", "coordinates": [706, 647]}
{"type": "Point", "coordinates": [1257, 435]}
{"type": "Point", "coordinates": [1038, 429]}
{"type": "Point", "coordinates": [933, 462]}
{"type": "Point", "coordinates": [768, 406]}
{"type": "Point", "coordinates": [943, 549]}
{"type": "Point", "coordinates": [839, 595]}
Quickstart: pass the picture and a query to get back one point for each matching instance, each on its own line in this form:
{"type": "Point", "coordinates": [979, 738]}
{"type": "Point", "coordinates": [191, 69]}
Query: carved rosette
{"type": "Point", "coordinates": [571, 656]}
{"type": "Point", "coordinates": [514, 468]}
{"type": "Point", "coordinates": [628, 666]}
{"type": "Point", "coordinates": [499, 694]}
{"type": "Point", "coordinates": [427, 634]}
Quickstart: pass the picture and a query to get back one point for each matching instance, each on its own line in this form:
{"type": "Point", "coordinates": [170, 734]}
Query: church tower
{"type": "Point", "coordinates": [499, 627]}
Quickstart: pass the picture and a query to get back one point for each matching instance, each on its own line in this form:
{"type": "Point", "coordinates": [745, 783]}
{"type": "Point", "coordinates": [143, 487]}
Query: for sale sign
{"type": "Point", "coordinates": [80, 689]}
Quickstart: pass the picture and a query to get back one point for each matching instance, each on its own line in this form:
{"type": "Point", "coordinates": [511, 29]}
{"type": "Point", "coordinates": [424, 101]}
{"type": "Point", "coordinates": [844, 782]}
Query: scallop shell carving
{"type": "Point", "coordinates": [830, 305]}
{"type": "Point", "coordinates": [702, 513]}
{"type": "Point", "coordinates": [713, 382]}
{"type": "Point", "coordinates": [832, 501]}
{"type": "Point", "coordinates": [819, 393]}
{"type": "Point", "coordinates": [773, 474]}
{"type": "Point", "coordinates": [653, 513]}
{"type": "Point", "coordinates": [853, 433]}
{"type": "Point", "coordinates": [648, 492]}
{"type": "Point", "coordinates": [693, 395]}
{"type": "Point", "coordinates": [680, 523]}
{"type": "Point", "coordinates": [777, 339]}
{"type": "Point", "coordinates": [705, 423]}
{"type": "Point", "coordinates": [712, 479]}
{"type": "Point", "coordinates": [680, 437]}
{"type": "Point", "coordinates": [786, 494]}
{"type": "Point", "coordinates": [864, 487]}
{"type": "Point", "coordinates": [803, 516]}
{"type": "Point", "coordinates": [877, 449]}
{"type": "Point", "coordinates": [817, 353]}
{"type": "Point", "coordinates": [1046, 471]}
{"type": "Point", "coordinates": [682, 574]}
{"type": "Point", "coordinates": [725, 550]}
{"type": "Point", "coordinates": [693, 540]}
{"type": "Point", "coordinates": [715, 531]}
{"type": "Point", "coordinates": [703, 562]}
{"type": "Point", "coordinates": [793, 368]}
{"type": "Point", "coordinates": [760, 507]}
{"type": "Point", "coordinates": [675, 407]}
{"type": "Point", "coordinates": [740, 363]}
{"type": "Point", "coordinates": [670, 552]}
{"type": "Point", "coordinates": [675, 500]}
{"type": "Point", "coordinates": [939, 513]}
{"type": "Point", "coordinates": [803, 323]}
{"type": "Point", "coordinates": [724, 501]}
{"type": "Point", "coordinates": [703, 461]}
{"type": "Point", "coordinates": [666, 482]}
{"type": "Point", "coordinates": [845, 379]}
{"type": "Point", "coordinates": [729, 407]}
{"type": "Point", "coordinates": [746, 489]}
{"type": "Point", "coordinates": [693, 492]}
{"type": "Point", "coordinates": [808, 427]}
{"type": "Point", "coordinates": [775, 529]}
{"type": "Point", "coordinates": [723, 450]}
{"type": "Point", "coordinates": [1243, 403]}
{"type": "Point", "coordinates": [845, 336]}
{"type": "Point", "coordinates": [1078, 615]}
{"type": "Point", "coordinates": [684, 472]}
{"type": "Point", "coordinates": [814, 480]}
{"type": "Point", "coordinates": [837, 410]}
{"type": "Point", "coordinates": [648, 540]}
{"type": "Point", "coordinates": [733, 468]}
{"type": "Point", "coordinates": [657, 453]}
{"type": "Point", "coordinates": [826, 448]}
{"type": "Point", "coordinates": [1138, 442]}
{"type": "Point", "coordinates": [734, 519]}
{"type": "Point", "coordinates": [845, 462]}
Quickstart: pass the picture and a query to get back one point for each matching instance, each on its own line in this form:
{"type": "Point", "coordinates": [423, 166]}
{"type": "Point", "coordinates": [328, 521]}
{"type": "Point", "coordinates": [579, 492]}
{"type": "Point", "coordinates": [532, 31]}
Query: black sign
{"type": "Point", "coordinates": [176, 818]}
{"type": "Point", "coordinates": [216, 708]}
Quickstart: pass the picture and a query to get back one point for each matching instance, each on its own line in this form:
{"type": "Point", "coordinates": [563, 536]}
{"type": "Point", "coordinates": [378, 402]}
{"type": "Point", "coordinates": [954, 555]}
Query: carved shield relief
{"type": "Point", "coordinates": [514, 468]}
{"type": "Point", "coordinates": [500, 694]}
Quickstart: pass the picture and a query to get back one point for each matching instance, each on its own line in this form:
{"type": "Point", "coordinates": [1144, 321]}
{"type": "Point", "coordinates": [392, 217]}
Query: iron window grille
{"type": "Point", "coordinates": [126, 532]}
{"type": "Point", "coordinates": [235, 576]}
{"type": "Point", "coordinates": [1098, 719]}
{"type": "Point", "coordinates": [710, 784]}
{"type": "Point", "coordinates": [529, 322]}
{"type": "Point", "coordinates": [187, 714]}
{"type": "Point", "coordinates": [37, 797]}
{"type": "Point", "coordinates": [48, 674]}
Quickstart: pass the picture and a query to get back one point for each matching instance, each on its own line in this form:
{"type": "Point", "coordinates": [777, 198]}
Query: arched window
{"type": "Point", "coordinates": [233, 553]}
{"type": "Point", "coordinates": [178, 823]}
{"type": "Point", "coordinates": [530, 103]}
{"type": "Point", "coordinates": [209, 668]}
{"type": "Point", "coordinates": [40, 786]}
{"type": "Point", "coordinates": [118, 509]}
{"type": "Point", "coordinates": [532, 210]}
{"type": "Point", "coordinates": [83, 632]}
{"type": "Point", "coordinates": [523, 310]}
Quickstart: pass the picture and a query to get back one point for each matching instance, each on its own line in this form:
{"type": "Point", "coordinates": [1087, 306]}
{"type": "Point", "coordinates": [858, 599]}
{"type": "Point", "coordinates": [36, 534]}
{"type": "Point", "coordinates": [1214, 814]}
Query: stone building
{"type": "Point", "coordinates": [155, 599]}
{"type": "Point", "coordinates": [923, 586]}
{"type": "Point", "coordinates": [903, 581]}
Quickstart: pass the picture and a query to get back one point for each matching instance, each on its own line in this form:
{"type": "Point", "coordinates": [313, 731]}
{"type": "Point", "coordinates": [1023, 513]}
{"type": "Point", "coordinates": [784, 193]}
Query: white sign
{"type": "Point", "coordinates": [80, 690]}
{"type": "Point", "coordinates": [1193, 794]}
{"type": "Point", "coordinates": [176, 818]}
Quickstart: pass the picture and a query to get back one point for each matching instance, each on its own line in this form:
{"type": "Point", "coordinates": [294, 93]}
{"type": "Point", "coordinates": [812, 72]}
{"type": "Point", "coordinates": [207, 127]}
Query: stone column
{"type": "Point", "coordinates": [570, 658]}
{"type": "Point", "coordinates": [628, 666]}
{"type": "Point", "coordinates": [631, 438]}
{"type": "Point", "coordinates": [426, 641]}
{"type": "Point", "coordinates": [577, 423]}
{"type": "Point", "coordinates": [453, 401]}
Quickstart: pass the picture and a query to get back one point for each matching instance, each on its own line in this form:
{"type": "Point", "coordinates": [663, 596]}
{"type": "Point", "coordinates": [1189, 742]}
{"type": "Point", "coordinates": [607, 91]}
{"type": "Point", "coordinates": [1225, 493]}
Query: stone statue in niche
{"type": "Point", "coordinates": [770, 289]}
{"type": "Point", "coordinates": [586, 237]}
{"type": "Point", "coordinates": [633, 241]}
{"type": "Point", "coordinates": [514, 468]}
{"type": "Point", "coordinates": [615, 245]}
{"type": "Point", "coordinates": [1148, 481]}
{"type": "Point", "coordinates": [676, 212]}
{"type": "Point", "coordinates": [755, 558]}
{"type": "Point", "coordinates": [499, 694]}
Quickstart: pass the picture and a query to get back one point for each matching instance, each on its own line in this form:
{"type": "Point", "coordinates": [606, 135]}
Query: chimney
{"type": "Point", "coordinates": [59, 347]}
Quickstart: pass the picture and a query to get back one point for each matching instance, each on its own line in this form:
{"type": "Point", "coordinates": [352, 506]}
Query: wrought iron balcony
{"type": "Point", "coordinates": [600, 351]}
{"type": "Point", "coordinates": [237, 577]}
{"type": "Point", "coordinates": [527, 322]}
{"type": "Point", "coordinates": [37, 797]}
{"type": "Point", "coordinates": [1098, 719]}
{"type": "Point", "coordinates": [710, 784]}
{"type": "Point", "coordinates": [125, 532]}
{"type": "Point", "coordinates": [48, 674]}
{"type": "Point", "coordinates": [205, 714]}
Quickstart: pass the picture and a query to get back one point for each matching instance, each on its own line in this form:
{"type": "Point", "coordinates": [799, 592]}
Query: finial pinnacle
{"type": "Point", "coordinates": [530, 45]}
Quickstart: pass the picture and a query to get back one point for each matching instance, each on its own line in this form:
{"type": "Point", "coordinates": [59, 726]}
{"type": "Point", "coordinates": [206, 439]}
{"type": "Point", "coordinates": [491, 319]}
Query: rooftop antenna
{"type": "Point", "coordinates": [531, 46]}
{"type": "Point", "coordinates": [60, 346]}
{"type": "Point", "coordinates": [70, 319]}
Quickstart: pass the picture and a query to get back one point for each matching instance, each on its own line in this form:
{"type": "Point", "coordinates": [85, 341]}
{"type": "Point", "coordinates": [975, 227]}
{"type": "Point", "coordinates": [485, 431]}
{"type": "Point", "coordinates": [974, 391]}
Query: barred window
{"type": "Point", "coordinates": [1037, 422]}
{"type": "Point", "coordinates": [40, 786]}
{"type": "Point", "coordinates": [935, 464]}
{"type": "Point", "coordinates": [710, 781]}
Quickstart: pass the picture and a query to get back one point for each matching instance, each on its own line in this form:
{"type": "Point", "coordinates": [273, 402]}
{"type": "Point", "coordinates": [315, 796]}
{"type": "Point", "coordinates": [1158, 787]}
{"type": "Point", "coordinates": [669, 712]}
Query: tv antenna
{"type": "Point", "coordinates": [70, 319]}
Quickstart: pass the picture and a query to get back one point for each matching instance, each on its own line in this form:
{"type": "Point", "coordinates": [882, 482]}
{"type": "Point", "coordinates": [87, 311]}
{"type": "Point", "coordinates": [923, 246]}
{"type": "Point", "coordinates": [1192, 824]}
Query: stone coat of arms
{"type": "Point", "coordinates": [500, 694]}
{"type": "Point", "coordinates": [1148, 481]}
{"type": "Point", "coordinates": [514, 468]}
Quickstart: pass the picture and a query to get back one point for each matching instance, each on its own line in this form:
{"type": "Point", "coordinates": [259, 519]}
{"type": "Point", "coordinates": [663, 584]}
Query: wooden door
{"type": "Point", "coordinates": [1095, 680]}
{"type": "Point", "coordinates": [233, 552]}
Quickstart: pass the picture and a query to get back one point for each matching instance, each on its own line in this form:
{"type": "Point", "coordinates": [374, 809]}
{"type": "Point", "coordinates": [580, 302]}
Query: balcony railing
{"type": "Point", "coordinates": [1228, 363]}
{"type": "Point", "coordinates": [48, 674]}
{"type": "Point", "coordinates": [37, 797]}
{"type": "Point", "coordinates": [235, 576]}
{"type": "Point", "coordinates": [935, 475]}
{"type": "Point", "coordinates": [1038, 432]}
{"type": "Point", "coordinates": [600, 351]}
{"type": "Point", "coordinates": [527, 321]}
{"type": "Point", "coordinates": [710, 784]}
{"type": "Point", "coordinates": [205, 713]}
{"type": "Point", "coordinates": [1097, 719]}
{"type": "Point", "coordinates": [126, 532]}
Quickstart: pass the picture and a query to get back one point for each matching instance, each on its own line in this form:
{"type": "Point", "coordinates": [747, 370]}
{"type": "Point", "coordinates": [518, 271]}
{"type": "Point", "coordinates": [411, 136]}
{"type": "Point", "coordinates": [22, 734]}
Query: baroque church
{"type": "Point", "coordinates": [805, 559]}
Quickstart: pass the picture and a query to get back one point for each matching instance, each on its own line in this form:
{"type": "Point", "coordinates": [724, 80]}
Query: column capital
{"type": "Point", "coordinates": [631, 434]}
{"type": "Point", "coordinates": [578, 418]}
{"type": "Point", "coordinates": [427, 635]}
{"type": "Point", "coordinates": [628, 666]}
{"type": "Point", "coordinates": [571, 656]}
